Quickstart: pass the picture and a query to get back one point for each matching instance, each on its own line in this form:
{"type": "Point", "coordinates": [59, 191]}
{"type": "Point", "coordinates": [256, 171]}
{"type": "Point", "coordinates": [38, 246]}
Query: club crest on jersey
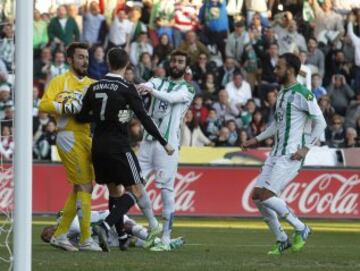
{"type": "Point", "coordinates": [309, 97]}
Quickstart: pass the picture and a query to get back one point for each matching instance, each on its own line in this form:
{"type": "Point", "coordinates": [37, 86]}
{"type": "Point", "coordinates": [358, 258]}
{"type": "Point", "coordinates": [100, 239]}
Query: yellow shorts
{"type": "Point", "coordinates": [75, 152]}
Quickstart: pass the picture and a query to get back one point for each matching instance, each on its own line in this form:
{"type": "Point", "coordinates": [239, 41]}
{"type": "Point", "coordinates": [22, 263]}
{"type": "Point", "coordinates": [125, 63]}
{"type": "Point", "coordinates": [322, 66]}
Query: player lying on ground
{"type": "Point", "coordinates": [137, 232]}
{"type": "Point", "coordinates": [297, 126]}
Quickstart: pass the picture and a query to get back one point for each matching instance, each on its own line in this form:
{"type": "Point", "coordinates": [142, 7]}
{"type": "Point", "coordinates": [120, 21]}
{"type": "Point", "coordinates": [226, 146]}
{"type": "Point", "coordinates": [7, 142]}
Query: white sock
{"type": "Point", "coordinates": [272, 221]}
{"type": "Point", "coordinates": [139, 242]}
{"type": "Point", "coordinates": [140, 232]}
{"type": "Point", "coordinates": [168, 198]}
{"type": "Point", "coordinates": [144, 204]}
{"type": "Point", "coordinates": [280, 207]}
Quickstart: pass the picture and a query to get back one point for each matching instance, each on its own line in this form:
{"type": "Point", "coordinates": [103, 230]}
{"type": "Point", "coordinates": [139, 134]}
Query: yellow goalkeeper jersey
{"type": "Point", "coordinates": [50, 102]}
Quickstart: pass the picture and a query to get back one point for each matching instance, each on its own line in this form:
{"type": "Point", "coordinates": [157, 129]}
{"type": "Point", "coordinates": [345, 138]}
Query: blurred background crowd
{"type": "Point", "coordinates": [233, 45]}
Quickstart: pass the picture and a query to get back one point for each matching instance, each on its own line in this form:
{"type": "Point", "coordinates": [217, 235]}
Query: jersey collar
{"type": "Point", "coordinates": [109, 74]}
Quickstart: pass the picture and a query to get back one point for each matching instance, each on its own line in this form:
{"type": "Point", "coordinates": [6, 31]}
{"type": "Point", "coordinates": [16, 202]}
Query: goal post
{"type": "Point", "coordinates": [23, 135]}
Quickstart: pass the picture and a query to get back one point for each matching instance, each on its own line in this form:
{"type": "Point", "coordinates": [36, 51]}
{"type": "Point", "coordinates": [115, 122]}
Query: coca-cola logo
{"type": "Point", "coordinates": [6, 189]}
{"type": "Point", "coordinates": [184, 195]}
{"type": "Point", "coordinates": [326, 194]}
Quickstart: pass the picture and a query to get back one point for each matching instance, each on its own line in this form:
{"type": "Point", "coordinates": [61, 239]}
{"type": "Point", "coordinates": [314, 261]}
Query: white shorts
{"type": "Point", "coordinates": [277, 172]}
{"type": "Point", "coordinates": [154, 159]}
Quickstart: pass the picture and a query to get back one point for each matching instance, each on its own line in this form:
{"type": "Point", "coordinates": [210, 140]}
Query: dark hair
{"type": "Point", "coordinates": [178, 52]}
{"type": "Point", "coordinates": [70, 51]}
{"type": "Point", "coordinates": [236, 73]}
{"type": "Point", "coordinates": [117, 58]}
{"type": "Point", "coordinates": [292, 61]}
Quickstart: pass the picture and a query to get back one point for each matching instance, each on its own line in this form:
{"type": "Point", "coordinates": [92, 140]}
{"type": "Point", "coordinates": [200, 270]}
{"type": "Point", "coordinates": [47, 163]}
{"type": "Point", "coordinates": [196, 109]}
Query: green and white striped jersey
{"type": "Point", "coordinates": [295, 107]}
{"type": "Point", "coordinates": [169, 102]}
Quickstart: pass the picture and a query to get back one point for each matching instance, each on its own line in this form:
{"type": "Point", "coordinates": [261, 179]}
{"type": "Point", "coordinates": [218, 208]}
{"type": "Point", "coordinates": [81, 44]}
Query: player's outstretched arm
{"type": "Point", "coordinates": [85, 114]}
{"type": "Point", "coordinates": [181, 96]}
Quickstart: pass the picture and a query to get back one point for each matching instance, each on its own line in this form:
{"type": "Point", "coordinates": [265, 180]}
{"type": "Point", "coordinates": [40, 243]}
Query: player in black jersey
{"type": "Point", "coordinates": [110, 103]}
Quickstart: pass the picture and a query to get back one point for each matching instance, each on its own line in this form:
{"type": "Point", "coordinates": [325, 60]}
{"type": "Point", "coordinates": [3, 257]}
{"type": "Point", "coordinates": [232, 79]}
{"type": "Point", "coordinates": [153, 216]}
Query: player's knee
{"type": "Point", "coordinates": [265, 194]}
{"type": "Point", "coordinates": [136, 190]}
{"type": "Point", "coordinates": [255, 196]}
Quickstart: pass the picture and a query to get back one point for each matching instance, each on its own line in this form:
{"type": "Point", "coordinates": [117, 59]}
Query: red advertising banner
{"type": "Point", "coordinates": [211, 191]}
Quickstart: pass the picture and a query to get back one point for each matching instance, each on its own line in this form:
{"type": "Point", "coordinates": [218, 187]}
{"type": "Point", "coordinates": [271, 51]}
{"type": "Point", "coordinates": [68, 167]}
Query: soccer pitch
{"type": "Point", "coordinates": [214, 244]}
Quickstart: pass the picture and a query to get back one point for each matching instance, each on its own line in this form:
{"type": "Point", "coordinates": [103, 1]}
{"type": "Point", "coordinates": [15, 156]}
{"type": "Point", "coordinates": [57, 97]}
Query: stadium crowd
{"type": "Point", "coordinates": [233, 45]}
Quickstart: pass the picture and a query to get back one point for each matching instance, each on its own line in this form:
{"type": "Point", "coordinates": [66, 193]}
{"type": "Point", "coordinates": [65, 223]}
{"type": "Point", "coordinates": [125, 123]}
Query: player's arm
{"type": "Point", "coordinates": [183, 95]}
{"type": "Point", "coordinates": [48, 102]}
{"type": "Point", "coordinates": [313, 111]}
{"type": "Point", "coordinates": [137, 106]}
{"type": "Point", "coordinates": [268, 132]}
{"type": "Point", "coordinates": [86, 113]}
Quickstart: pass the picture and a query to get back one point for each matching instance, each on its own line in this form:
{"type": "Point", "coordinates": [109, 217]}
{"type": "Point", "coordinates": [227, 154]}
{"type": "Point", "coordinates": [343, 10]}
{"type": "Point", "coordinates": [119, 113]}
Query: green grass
{"type": "Point", "coordinates": [214, 245]}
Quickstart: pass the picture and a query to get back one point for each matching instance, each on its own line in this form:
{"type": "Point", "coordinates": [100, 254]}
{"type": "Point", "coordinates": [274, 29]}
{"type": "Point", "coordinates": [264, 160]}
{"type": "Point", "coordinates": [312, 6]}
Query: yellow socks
{"type": "Point", "coordinates": [83, 204]}
{"type": "Point", "coordinates": [68, 215]}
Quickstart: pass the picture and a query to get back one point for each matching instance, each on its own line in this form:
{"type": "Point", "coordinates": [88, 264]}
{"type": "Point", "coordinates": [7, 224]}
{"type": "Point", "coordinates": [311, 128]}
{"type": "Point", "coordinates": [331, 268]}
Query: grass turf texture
{"type": "Point", "coordinates": [230, 244]}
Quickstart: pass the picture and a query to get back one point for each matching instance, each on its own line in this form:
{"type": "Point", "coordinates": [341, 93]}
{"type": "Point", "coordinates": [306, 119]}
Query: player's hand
{"type": "Point", "coordinates": [143, 90]}
{"type": "Point", "coordinates": [299, 154]}
{"type": "Point", "coordinates": [71, 106]}
{"type": "Point", "coordinates": [249, 143]}
{"type": "Point", "coordinates": [169, 149]}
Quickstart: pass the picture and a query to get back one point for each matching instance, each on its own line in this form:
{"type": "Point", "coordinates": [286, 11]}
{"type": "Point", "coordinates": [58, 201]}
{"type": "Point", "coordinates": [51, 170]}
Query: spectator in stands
{"type": "Point", "coordinates": [42, 67]}
{"type": "Point", "coordinates": [247, 113]}
{"type": "Point", "coordinates": [214, 23]}
{"type": "Point", "coordinates": [315, 56]}
{"type": "Point", "coordinates": [335, 133]}
{"type": "Point", "coordinates": [59, 66]}
{"type": "Point", "coordinates": [163, 12]}
{"type": "Point", "coordinates": [163, 49]}
{"type": "Point", "coordinates": [193, 47]}
{"type": "Point", "coordinates": [97, 64]}
{"type": "Point", "coordinates": [140, 46]}
{"type": "Point", "coordinates": [337, 64]}
{"type": "Point", "coordinates": [225, 72]}
{"type": "Point", "coordinates": [351, 139]}
{"type": "Point", "coordinates": [233, 135]}
{"type": "Point", "coordinates": [356, 44]}
{"type": "Point", "coordinates": [257, 124]}
{"type": "Point", "coordinates": [73, 11]}
{"type": "Point", "coordinates": [268, 110]}
{"type": "Point", "coordinates": [92, 20]}
{"type": "Point", "coordinates": [4, 75]}
{"type": "Point", "coordinates": [185, 20]}
{"type": "Point", "coordinates": [201, 68]}
{"type": "Point", "coordinates": [120, 32]}
{"type": "Point", "coordinates": [130, 75]}
{"type": "Point", "coordinates": [6, 143]}
{"type": "Point", "coordinates": [223, 138]}
{"type": "Point", "coordinates": [5, 98]}
{"type": "Point", "coordinates": [40, 35]}
{"type": "Point", "coordinates": [353, 112]}
{"type": "Point", "coordinates": [8, 118]}
{"type": "Point", "coordinates": [191, 134]}
{"type": "Point", "coordinates": [188, 76]}
{"type": "Point", "coordinates": [200, 112]}
{"type": "Point", "coordinates": [243, 137]}
{"type": "Point", "coordinates": [139, 26]}
{"type": "Point", "coordinates": [282, 23]}
{"type": "Point", "coordinates": [340, 94]}
{"type": "Point", "coordinates": [7, 46]}
{"type": "Point", "coordinates": [212, 125]}
{"type": "Point", "coordinates": [239, 90]}
{"type": "Point", "coordinates": [224, 109]}
{"type": "Point", "coordinates": [291, 40]}
{"type": "Point", "coordinates": [42, 148]}
{"type": "Point", "coordinates": [357, 126]}
{"type": "Point", "coordinates": [326, 108]}
{"type": "Point", "coordinates": [209, 86]}
{"type": "Point", "coordinates": [316, 86]}
{"type": "Point", "coordinates": [328, 25]}
{"type": "Point", "coordinates": [236, 42]}
{"type": "Point", "coordinates": [144, 68]}
{"type": "Point", "coordinates": [39, 124]}
{"type": "Point", "coordinates": [262, 7]}
{"type": "Point", "coordinates": [62, 29]}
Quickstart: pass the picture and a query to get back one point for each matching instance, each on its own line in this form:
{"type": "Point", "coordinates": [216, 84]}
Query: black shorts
{"type": "Point", "coordinates": [119, 168]}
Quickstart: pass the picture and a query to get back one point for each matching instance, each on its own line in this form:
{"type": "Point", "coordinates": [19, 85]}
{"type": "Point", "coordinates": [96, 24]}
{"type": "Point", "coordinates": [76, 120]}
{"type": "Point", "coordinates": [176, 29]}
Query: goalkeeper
{"type": "Point", "coordinates": [62, 98]}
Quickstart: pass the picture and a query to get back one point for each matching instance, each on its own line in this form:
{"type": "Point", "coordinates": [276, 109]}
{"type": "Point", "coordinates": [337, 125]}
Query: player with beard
{"type": "Point", "coordinates": [170, 99]}
{"type": "Point", "coordinates": [298, 124]}
{"type": "Point", "coordinates": [63, 99]}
